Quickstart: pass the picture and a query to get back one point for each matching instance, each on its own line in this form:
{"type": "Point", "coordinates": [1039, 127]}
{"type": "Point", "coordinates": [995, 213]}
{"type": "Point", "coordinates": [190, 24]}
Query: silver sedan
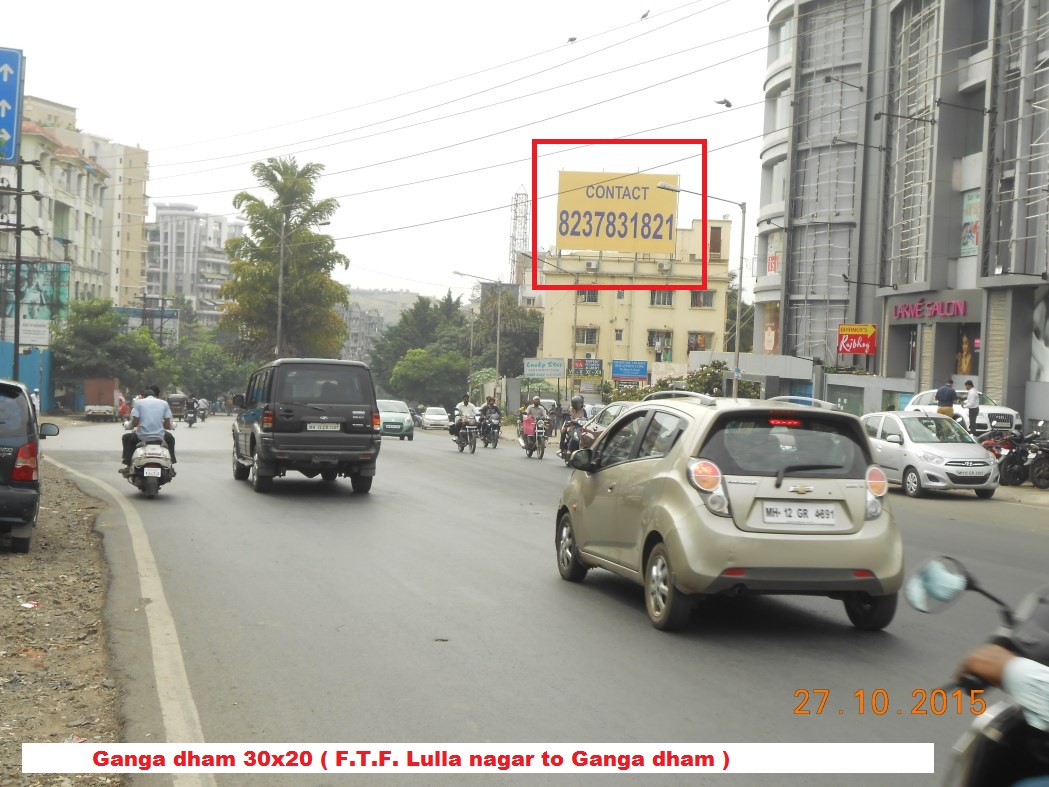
{"type": "Point", "coordinates": [922, 452]}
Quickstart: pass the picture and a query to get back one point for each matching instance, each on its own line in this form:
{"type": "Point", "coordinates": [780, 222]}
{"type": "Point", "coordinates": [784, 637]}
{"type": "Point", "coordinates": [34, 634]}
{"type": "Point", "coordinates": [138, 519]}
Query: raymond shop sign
{"type": "Point", "coordinates": [857, 339]}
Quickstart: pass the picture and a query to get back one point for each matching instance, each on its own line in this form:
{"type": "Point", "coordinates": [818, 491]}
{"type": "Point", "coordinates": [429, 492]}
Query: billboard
{"type": "Point", "coordinates": [588, 367]}
{"type": "Point", "coordinates": [544, 368]}
{"type": "Point", "coordinates": [44, 297]}
{"type": "Point", "coordinates": [622, 212]}
{"type": "Point", "coordinates": [630, 370]}
{"type": "Point", "coordinates": [970, 241]}
{"type": "Point", "coordinates": [857, 339]}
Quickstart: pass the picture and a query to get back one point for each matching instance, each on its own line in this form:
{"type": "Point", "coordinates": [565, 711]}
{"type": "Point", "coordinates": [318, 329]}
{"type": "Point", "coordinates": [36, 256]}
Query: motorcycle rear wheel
{"type": "Point", "coordinates": [150, 486]}
{"type": "Point", "coordinates": [1040, 473]}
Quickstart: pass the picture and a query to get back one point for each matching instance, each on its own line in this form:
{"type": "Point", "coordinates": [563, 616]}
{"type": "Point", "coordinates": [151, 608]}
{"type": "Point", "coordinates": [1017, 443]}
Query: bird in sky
{"type": "Point", "coordinates": [645, 15]}
{"type": "Point", "coordinates": [724, 102]}
{"type": "Point", "coordinates": [571, 40]}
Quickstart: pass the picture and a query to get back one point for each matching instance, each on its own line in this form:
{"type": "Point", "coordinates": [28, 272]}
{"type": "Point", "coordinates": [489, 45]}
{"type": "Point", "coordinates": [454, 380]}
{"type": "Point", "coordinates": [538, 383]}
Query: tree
{"type": "Point", "coordinates": [305, 297]}
{"type": "Point", "coordinates": [425, 324]}
{"type": "Point", "coordinates": [746, 319]}
{"type": "Point", "coordinates": [421, 376]}
{"type": "Point", "coordinates": [210, 372]}
{"type": "Point", "coordinates": [520, 331]}
{"type": "Point", "coordinates": [94, 343]}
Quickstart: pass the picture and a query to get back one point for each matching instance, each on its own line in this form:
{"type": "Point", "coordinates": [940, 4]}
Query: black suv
{"type": "Point", "coordinates": [19, 463]}
{"type": "Point", "coordinates": [314, 415]}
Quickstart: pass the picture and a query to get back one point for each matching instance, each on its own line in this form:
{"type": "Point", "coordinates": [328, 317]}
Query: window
{"type": "Point", "coordinates": [620, 294]}
{"type": "Point", "coordinates": [714, 242]}
{"type": "Point", "coordinates": [871, 425]}
{"type": "Point", "coordinates": [618, 445]}
{"type": "Point", "coordinates": [700, 341]}
{"type": "Point", "coordinates": [660, 342]}
{"type": "Point", "coordinates": [587, 296]}
{"type": "Point", "coordinates": [619, 334]}
{"type": "Point", "coordinates": [661, 298]}
{"type": "Point", "coordinates": [662, 432]}
{"type": "Point", "coordinates": [702, 299]}
{"type": "Point", "coordinates": [586, 335]}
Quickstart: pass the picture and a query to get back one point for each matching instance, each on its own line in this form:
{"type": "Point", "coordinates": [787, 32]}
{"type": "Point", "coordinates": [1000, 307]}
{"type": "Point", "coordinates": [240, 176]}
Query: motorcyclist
{"type": "Point", "coordinates": [576, 411]}
{"type": "Point", "coordinates": [465, 409]}
{"type": "Point", "coordinates": [491, 408]}
{"type": "Point", "coordinates": [536, 409]}
{"type": "Point", "coordinates": [150, 417]}
{"type": "Point", "coordinates": [1025, 680]}
{"type": "Point", "coordinates": [191, 405]}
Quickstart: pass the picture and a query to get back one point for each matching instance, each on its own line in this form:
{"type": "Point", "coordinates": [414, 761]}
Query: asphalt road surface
{"type": "Point", "coordinates": [430, 610]}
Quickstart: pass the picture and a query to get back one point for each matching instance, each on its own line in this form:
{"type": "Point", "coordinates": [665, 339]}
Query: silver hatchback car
{"type": "Point", "coordinates": [921, 451]}
{"type": "Point", "coordinates": [700, 496]}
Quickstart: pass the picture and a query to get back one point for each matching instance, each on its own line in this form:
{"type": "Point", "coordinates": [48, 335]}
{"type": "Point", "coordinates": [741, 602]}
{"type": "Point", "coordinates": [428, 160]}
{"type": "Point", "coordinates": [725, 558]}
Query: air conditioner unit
{"type": "Point", "coordinates": [591, 265]}
{"type": "Point", "coordinates": [663, 266]}
{"type": "Point", "coordinates": [589, 355]}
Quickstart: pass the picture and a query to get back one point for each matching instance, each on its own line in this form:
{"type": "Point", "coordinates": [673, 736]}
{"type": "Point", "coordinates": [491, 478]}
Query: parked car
{"type": "Point", "coordinates": [921, 451]}
{"type": "Point", "coordinates": [396, 419]}
{"type": "Point", "coordinates": [991, 416]}
{"type": "Point", "coordinates": [435, 418]}
{"type": "Point", "coordinates": [694, 497]}
{"type": "Point", "coordinates": [315, 415]}
{"type": "Point", "coordinates": [599, 423]}
{"type": "Point", "coordinates": [20, 437]}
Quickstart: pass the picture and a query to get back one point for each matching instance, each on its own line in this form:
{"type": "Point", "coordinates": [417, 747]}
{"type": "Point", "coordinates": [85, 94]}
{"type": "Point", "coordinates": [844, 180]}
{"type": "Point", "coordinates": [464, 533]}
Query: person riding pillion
{"type": "Point", "coordinates": [150, 417]}
{"type": "Point", "coordinates": [577, 411]}
{"type": "Point", "coordinates": [491, 408]}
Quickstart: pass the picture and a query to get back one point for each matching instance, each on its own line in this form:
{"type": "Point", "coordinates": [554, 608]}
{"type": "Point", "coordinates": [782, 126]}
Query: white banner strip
{"type": "Point", "coordinates": [473, 758]}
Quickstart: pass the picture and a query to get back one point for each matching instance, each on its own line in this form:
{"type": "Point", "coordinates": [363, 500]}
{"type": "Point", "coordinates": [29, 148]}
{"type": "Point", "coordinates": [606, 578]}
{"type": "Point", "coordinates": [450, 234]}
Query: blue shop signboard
{"type": "Point", "coordinates": [630, 370]}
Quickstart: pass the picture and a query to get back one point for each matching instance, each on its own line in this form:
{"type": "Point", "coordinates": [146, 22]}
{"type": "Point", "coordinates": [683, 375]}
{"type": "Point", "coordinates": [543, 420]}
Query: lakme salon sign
{"type": "Point", "coordinates": [923, 309]}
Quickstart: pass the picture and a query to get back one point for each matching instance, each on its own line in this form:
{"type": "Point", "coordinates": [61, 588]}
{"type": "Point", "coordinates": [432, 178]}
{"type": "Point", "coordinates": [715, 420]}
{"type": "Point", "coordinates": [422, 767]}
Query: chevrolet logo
{"type": "Point", "coordinates": [801, 489]}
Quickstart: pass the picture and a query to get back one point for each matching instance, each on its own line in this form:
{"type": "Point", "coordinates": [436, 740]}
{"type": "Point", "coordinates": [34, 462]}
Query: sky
{"type": "Point", "coordinates": [422, 114]}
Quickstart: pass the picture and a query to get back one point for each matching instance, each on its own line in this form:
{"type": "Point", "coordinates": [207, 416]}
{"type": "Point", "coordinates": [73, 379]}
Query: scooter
{"type": "Point", "coordinates": [572, 435]}
{"type": "Point", "coordinates": [1000, 747]}
{"type": "Point", "coordinates": [151, 466]}
{"type": "Point", "coordinates": [191, 417]}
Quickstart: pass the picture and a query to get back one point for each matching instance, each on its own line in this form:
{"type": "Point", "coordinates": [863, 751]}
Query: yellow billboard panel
{"type": "Point", "coordinates": [607, 211]}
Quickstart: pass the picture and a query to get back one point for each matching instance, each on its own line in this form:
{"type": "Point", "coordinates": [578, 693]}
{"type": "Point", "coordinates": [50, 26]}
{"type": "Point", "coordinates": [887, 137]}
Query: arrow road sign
{"type": "Point", "coordinates": [12, 73]}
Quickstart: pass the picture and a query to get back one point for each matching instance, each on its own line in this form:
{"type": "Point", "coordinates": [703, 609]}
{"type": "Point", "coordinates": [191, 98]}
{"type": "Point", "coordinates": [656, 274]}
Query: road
{"type": "Point", "coordinates": [431, 611]}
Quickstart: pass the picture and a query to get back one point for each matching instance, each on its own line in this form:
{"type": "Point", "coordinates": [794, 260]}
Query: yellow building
{"type": "Point", "coordinates": [657, 326]}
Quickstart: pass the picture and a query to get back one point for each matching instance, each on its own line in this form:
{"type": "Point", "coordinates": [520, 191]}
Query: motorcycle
{"type": "Point", "coordinates": [151, 466]}
{"type": "Point", "coordinates": [467, 435]}
{"type": "Point", "coordinates": [1000, 747]}
{"type": "Point", "coordinates": [191, 417]}
{"type": "Point", "coordinates": [533, 436]}
{"type": "Point", "coordinates": [572, 434]}
{"type": "Point", "coordinates": [491, 426]}
{"type": "Point", "coordinates": [1017, 454]}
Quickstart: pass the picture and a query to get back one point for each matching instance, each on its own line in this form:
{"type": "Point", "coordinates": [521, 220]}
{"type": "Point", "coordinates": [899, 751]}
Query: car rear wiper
{"type": "Point", "coordinates": [794, 468]}
{"type": "Point", "coordinates": [306, 404]}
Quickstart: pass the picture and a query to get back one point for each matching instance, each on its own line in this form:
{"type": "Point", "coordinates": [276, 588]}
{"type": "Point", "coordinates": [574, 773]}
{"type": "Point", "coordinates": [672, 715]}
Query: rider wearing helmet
{"type": "Point", "coordinates": [577, 411]}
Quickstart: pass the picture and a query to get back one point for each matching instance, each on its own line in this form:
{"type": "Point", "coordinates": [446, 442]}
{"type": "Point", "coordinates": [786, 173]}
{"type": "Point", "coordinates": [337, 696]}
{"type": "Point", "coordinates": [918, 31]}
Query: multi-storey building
{"type": "Point", "coordinates": [98, 190]}
{"type": "Point", "coordinates": [906, 185]}
{"type": "Point", "coordinates": [187, 257]}
{"type": "Point", "coordinates": [363, 327]}
{"type": "Point", "coordinates": [660, 327]}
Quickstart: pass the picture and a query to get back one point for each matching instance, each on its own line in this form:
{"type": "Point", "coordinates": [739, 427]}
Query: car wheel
{"type": "Point", "coordinates": [1039, 473]}
{"type": "Point", "coordinates": [329, 475]}
{"type": "Point", "coordinates": [985, 494]}
{"type": "Point", "coordinates": [402, 436]}
{"type": "Point", "coordinates": [20, 545]}
{"type": "Point", "coordinates": [240, 472]}
{"type": "Point", "coordinates": [361, 484]}
{"type": "Point", "coordinates": [668, 608]}
{"type": "Point", "coordinates": [259, 482]}
{"type": "Point", "coordinates": [411, 437]}
{"type": "Point", "coordinates": [568, 564]}
{"type": "Point", "coordinates": [912, 483]}
{"type": "Point", "coordinates": [870, 613]}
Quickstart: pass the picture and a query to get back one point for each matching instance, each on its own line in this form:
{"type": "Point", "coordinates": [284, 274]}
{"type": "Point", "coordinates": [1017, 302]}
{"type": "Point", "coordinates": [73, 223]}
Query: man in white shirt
{"type": "Point", "coordinates": [465, 409]}
{"type": "Point", "coordinates": [35, 396]}
{"type": "Point", "coordinates": [972, 404]}
{"type": "Point", "coordinates": [1024, 680]}
{"type": "Point", "coordinates": [150, 417]}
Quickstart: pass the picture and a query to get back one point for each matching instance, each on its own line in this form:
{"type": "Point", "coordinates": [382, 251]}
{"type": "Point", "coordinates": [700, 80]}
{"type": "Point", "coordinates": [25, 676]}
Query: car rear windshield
{"type": "Point", "coordinates": [799, 443]}
{"type": "Point", "coordinates": [14, 414]}
{"type": "Point", "coordinates": [325, 384]}
{"type": "Point", "coordinates": [392, 407]}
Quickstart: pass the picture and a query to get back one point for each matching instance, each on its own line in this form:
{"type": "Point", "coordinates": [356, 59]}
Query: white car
{"type": "Point", "coordinates": [435, 418]}
{"type": "Point", "coordinates": [991, 416]}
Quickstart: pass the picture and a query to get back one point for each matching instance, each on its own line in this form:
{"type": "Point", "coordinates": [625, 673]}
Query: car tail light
{"type": "Point", "coordinates": [705, 476]}
{"type": "Point", "coordinates": [877, 487]}
{"type": "Point", "coordinates": [267, 420]}
{"type": "Point", "coordinates": [26, 466]}
{"type": "Point", "coordinates": [376, 421]}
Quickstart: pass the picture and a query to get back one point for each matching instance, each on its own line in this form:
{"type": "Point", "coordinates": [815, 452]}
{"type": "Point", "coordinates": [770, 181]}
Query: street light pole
{"type": "Point", "coordinates": [498, 325]}
{"type": "Point", "coordinates": [736, 371]}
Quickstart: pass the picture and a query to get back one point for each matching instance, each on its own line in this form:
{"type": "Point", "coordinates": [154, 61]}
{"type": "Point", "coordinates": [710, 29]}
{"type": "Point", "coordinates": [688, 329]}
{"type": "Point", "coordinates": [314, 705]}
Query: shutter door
{"type": "Point", "coordinates": [995, 346]}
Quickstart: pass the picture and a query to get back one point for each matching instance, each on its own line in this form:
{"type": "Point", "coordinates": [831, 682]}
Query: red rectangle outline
{"type": "Point", "coordinates": [535, 212]}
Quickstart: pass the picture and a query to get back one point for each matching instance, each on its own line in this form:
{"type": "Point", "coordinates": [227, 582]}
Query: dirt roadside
{"type": "Point", "coordinates": [56, 679]}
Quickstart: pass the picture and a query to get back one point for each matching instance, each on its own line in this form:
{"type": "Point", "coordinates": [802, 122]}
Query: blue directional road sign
{"type": "Point", "coordinates": [12, 72]}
